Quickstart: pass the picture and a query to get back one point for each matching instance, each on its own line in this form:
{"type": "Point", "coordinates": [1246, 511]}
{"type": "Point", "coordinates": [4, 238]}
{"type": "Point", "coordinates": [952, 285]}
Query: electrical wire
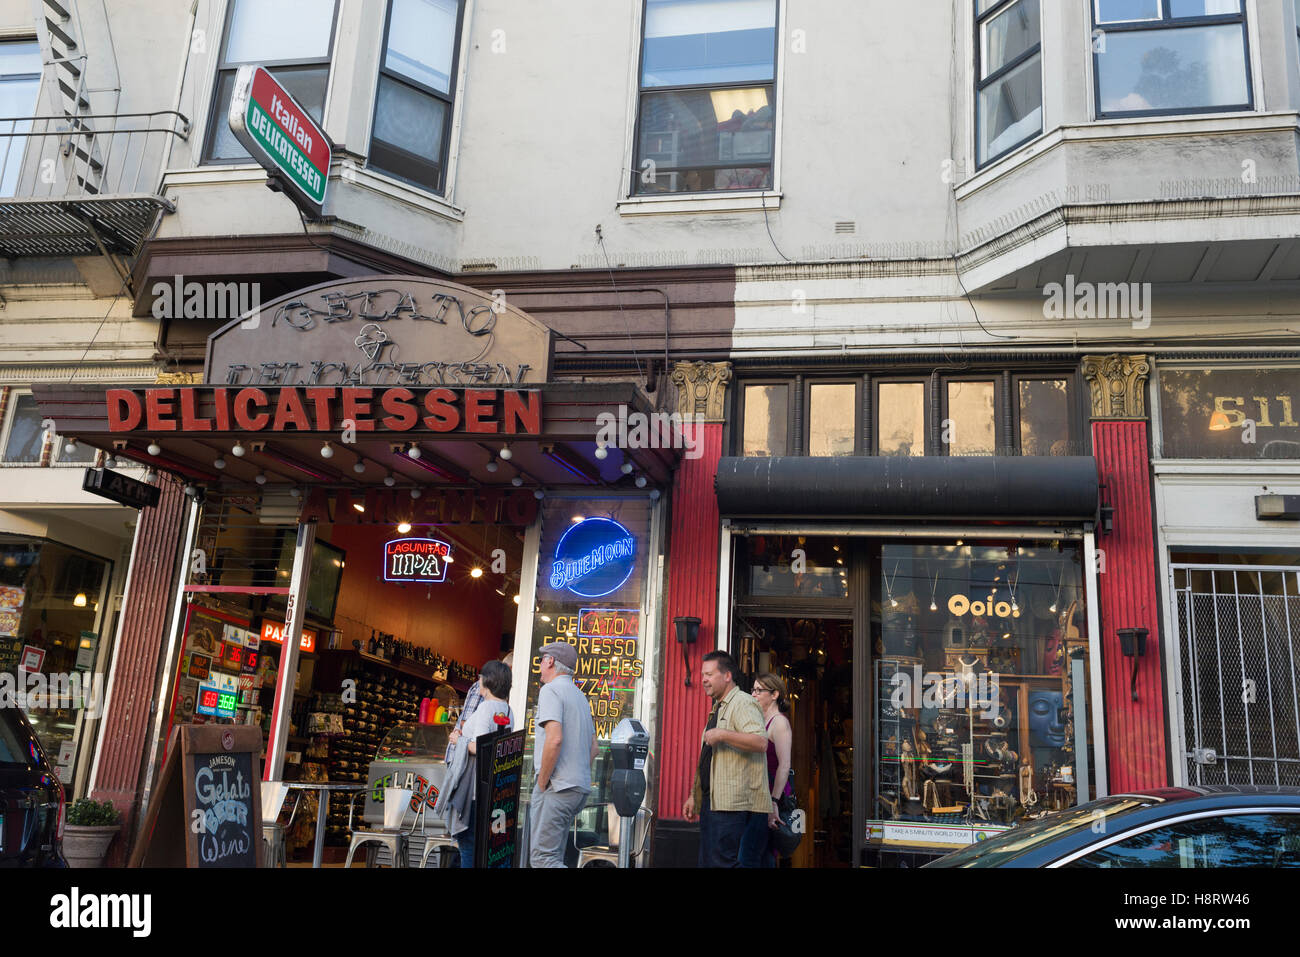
{"type": "Point", "coordinates": [600, 241]}
{"type": "Point", "coordinates": [771, 239]}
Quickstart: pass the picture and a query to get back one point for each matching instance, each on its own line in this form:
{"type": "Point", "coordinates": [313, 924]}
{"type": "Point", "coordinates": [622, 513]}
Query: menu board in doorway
{"type": "Point", "coordinates": [499, 783]}
{"type": "Point", "coordinates": [209, 801]}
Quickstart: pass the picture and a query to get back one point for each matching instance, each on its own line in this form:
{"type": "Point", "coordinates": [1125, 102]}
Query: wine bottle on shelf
{"type": "Point", "coordinates": [372, 646]}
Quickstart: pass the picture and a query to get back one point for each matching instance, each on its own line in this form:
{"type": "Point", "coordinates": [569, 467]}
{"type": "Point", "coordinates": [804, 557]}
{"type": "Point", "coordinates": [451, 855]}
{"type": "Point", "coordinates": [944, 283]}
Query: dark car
{"type": "Point", "coordinates": [1169, 827]}
{"type": "Point", "coordinates": [31, 798]}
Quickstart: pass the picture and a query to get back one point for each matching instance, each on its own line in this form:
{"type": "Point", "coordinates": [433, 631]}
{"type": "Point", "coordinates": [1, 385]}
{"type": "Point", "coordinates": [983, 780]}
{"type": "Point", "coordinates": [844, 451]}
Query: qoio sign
{"type": "Point", "coordinates": [281, 136]}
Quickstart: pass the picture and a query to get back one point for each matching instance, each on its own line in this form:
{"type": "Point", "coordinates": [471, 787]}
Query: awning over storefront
{"type": "Point", "coordinates": [1057, 488]}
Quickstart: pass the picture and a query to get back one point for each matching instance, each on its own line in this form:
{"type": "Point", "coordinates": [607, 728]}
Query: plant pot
{"type": "Point", "coordinates": [86, 846]}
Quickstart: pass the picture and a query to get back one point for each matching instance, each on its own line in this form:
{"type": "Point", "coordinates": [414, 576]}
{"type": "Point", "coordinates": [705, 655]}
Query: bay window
{"type": "Point", "coordinates": [293, 39]}
{"type": "Point", "coordinates": [413, 102]}
{"type": "Point", "coordinates": [1156, 57]}
{"type": "Point", "coordinates": [1009, 76]}
{"type": "Point", "coordinates": [706, 114]}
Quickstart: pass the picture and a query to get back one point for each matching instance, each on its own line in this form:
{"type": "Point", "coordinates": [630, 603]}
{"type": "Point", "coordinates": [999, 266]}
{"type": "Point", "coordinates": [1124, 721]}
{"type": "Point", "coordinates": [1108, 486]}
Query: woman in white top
{"type": "Point", "coordinates": [494, 684]}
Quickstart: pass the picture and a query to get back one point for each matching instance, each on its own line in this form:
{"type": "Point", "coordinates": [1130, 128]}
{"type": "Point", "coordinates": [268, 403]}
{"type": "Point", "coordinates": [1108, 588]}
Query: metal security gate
{"type": "Point", "coordinates": [1237, 630]}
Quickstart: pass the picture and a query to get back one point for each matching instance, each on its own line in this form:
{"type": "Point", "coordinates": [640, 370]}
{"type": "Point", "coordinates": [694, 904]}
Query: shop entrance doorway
{"type": "Point", "coordinates": [813, 659]}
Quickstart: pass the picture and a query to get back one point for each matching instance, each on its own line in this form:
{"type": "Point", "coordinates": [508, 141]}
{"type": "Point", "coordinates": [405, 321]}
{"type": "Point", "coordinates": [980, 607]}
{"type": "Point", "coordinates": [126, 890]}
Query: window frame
{"type": "Point", "coordinates": [1168, 22]}
{"type": "Point", "coordinates": [640, 91]}
{"type": "Point", "coordinates": [808, 384]}
{"type": "Point", "coordinates": [448, 99]}
{"type": "Point", "coordinates": [934, 409]}
{"type": "Point", "coordinates": [223, 66]}
{"type": "Point", "coordinates": [980, 19]}
{"type": "Point", "coordinates": [741, 406]}
{"type": "Point", "coordinates": [17, 393]}
{"type": "Point", "coordinates": [924, 383]}
{"type": "Point", "coordinates": [1139, 830]}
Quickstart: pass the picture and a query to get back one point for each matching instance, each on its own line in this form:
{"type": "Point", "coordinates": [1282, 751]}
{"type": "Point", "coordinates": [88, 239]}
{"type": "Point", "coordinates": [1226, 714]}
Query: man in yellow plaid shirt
{"type": "Point", "coordinates": [730, 798]}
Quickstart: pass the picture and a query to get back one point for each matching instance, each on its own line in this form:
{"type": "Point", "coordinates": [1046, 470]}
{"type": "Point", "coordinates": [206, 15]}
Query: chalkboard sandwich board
{"type": "Point", "coordinates": [209, 801]}
{"type": "Point", "coordinates": [501, 768]}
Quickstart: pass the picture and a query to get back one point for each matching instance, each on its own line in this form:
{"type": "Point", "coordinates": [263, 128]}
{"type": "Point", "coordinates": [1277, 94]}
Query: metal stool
{"type": "Point", "coordinates": [273, 833]}
{"type": "Point", "coordinates": [395, 839]}
{"type": "Point", "coordinates": [607, 854]}
{"type": "Point", "coordinates": [437, 842]}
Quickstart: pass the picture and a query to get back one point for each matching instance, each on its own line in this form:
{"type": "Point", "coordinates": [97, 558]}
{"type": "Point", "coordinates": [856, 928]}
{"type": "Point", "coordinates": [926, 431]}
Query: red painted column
{"type": "Point", "coordinates": [1136, 731]}
{"type": "Point", "coordinates": [124, 729]}
{"type": "Point", "coordinates": [692, 586]}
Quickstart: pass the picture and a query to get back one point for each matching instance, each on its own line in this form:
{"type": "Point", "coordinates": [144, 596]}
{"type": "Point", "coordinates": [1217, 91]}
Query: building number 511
{"type": "Point", "coordinates": [1236, 417]}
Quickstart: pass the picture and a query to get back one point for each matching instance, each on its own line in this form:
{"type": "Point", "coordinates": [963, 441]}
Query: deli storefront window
{"type": "Point", "coordinates": [592, 591]}
{"type": "Point", "coordinates": [51, 598]}
{"type": "Point", "coordinates": [979, 722]}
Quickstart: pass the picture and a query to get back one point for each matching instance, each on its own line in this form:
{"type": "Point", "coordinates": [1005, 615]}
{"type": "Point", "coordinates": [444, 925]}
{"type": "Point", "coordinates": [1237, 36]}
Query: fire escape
{"type": "Point", "coordinates": [82, 182]}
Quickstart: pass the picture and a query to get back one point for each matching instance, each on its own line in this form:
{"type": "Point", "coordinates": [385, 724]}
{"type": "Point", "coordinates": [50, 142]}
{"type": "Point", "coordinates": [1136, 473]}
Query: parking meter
{"type": "Point", "coordinates": [629, 746]}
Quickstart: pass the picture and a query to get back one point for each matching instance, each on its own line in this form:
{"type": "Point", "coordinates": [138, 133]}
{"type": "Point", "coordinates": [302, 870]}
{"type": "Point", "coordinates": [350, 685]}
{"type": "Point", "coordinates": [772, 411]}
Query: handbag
{"type": "Point", "coordinates": [785, 839]}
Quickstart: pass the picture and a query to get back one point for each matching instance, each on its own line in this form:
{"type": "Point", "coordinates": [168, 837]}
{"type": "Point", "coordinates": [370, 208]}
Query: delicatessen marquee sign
{"type": "Point", "coordinates": [324, 409]}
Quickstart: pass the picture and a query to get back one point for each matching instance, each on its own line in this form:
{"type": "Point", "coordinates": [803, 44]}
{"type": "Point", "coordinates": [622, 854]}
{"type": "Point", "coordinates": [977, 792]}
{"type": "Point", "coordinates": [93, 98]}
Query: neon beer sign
{"type": "Point", "coordinates": [416, 560]}
{"type": "Point", "coordinates": [593, 558]}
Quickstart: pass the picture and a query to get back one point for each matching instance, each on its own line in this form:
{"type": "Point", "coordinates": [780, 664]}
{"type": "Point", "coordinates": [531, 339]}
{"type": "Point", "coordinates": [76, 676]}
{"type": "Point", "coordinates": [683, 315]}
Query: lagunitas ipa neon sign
{"type": "Point", "coordinates": [416, 560]}
{"type": "Point", "coordinates": [281, 136]}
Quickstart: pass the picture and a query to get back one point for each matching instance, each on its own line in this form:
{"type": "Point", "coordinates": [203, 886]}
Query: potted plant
{"type": "Point", "coordinates": [91, 827]}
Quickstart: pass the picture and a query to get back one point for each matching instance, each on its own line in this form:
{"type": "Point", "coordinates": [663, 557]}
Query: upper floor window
{"type": "Point", "coordinates": [413, 103]}
{"type": "Point", "coordinates": [1008, 76]}
{"type": "Point", "coordinates": [20, 83]}
{"type": "Point", "coordinates": [1156, 57]}
{"type": "Point", "coordinates": [292, 39]}
{"type": "Point", "coordinates": [994, 413]}
{"type": "Point", "coordinates": [24, 436]}
{"type": "Point", "coordinates": [706, 114]}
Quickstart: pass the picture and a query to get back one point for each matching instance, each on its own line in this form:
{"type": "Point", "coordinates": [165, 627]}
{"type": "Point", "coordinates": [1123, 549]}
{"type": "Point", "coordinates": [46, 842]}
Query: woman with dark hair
{"type": "Point", "coordinates": [769, 692]}
{"type": "Point", "coordinates": [456, 802]}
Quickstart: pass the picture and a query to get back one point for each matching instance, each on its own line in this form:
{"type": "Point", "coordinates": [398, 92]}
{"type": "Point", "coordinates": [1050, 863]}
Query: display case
{"type": "Point", "coordinates": [411, 756]}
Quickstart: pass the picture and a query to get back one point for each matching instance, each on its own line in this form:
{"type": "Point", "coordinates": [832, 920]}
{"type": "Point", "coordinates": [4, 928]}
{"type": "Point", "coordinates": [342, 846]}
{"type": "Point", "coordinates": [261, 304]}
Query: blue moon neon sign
{"type": "Point", "coordinates": [594, 558]}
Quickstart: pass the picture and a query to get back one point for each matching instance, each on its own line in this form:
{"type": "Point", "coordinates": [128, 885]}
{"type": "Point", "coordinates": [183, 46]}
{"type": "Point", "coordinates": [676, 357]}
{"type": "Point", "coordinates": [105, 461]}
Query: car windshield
{"type": "Point", "coordinates": [998, 850]}
{"type": "Point", "coordinates": [15, 743]}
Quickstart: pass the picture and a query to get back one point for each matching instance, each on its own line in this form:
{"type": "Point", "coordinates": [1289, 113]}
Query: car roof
{"type": "Point", "coordinates": [1193, 791]}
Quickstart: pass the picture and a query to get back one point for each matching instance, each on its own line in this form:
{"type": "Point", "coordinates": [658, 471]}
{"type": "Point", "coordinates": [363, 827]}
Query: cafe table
{"type": "Point", "coordinates": [322, 809]}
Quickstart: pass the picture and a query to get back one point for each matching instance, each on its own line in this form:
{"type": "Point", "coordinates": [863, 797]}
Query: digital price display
{"type": "Point", "coordinates": [609, 623]}
{"type": "Point", "coordinates": [416, 560]}
{"type": "Point", "coordinates": [220, 699]}
{"type": "Point", "coordinates": [232, 655]}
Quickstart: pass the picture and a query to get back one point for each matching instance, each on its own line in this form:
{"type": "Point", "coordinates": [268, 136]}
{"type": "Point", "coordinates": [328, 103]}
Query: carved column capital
{"type": "Point", "coordinates": [1118, 385]}
{"type": "Point", "coordinates": [179, 378]}
{"type": "Point", "coordinates": [702, 389]}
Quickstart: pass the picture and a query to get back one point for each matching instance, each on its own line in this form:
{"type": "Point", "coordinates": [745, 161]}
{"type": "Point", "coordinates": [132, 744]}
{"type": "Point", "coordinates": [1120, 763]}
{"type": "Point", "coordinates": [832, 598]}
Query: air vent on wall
{"type": "Point", "coordinates": [478, 267]}
{"type": "Point", "coordinates": [846, 227]}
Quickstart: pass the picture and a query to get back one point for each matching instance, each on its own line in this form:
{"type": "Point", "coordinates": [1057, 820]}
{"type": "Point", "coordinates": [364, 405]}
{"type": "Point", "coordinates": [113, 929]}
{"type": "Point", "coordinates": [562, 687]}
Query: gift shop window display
{"type": "Point", "coordinates": [50, 615]}
{"type": "Point", "coordinates": [976, 709]}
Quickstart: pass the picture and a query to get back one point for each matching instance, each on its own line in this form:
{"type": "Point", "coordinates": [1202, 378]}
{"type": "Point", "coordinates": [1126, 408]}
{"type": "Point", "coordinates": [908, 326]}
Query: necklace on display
{"type": "Point", "coordinates": [934, 587]}
{"type": "Point", "coordinates": [1056, 600]}
{"type": "Point", "coordinates": [889, 587]}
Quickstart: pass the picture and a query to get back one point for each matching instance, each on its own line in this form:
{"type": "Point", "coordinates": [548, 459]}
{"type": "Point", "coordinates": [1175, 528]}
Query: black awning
{"type": "Point", "coordinates": [1057, 488]}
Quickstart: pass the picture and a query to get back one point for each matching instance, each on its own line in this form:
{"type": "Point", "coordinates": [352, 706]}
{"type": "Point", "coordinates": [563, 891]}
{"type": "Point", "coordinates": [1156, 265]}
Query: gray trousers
{"type": "Point", "coordinates": [550, 817]}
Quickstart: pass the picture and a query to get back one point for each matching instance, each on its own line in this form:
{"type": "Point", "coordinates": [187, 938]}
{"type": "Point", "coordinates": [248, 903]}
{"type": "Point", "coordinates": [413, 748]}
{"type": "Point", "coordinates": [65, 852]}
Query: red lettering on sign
{"type": "Point", "coordinates": [356, 406]}
{"type": "Point", "coordinates": [244, 399]}
{"type": "Point", "coordinates": [124, 410]}
{"type": "Point", "coordinates": [522, 412]}
{"type": "Point", "coordinates": [158, 403]}
{"type": "Point", "coordinates": [290, 410]}
{"type": "Point", "coordinates": [479, 410]}
{"type": "Point", "coordinates": [322, 399]}
{"type": "Point", "coordinates": [190, 421]}
{"type": "Point", "coordinates": [401, 414]}
{"type": "Point", "coordinates": [443, 415]}
{"type": "Point", "coordinates": [222, 399]}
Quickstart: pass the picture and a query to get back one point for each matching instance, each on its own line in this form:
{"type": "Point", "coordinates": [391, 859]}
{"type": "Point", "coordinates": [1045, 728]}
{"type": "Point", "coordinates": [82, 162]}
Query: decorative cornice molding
{"type": "Point", "coordinates": [702, 389]}
{"type": "Point", "coordinates": [1118, 385]}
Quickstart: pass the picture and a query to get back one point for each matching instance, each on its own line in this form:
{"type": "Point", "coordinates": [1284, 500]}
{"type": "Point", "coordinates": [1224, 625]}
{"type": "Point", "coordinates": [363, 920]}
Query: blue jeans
{"type": "Point", "coordinates": [731, 838]}
{"type": "Point", "coordinates": [465, 841]}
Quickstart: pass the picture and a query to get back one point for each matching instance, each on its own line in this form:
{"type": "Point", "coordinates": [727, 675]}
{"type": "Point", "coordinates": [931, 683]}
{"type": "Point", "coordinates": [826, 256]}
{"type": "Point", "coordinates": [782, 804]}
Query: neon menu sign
{"type": "Point", "coordinates": [594, 557]}
{"type": "Point", "coordinates": [416, 560]}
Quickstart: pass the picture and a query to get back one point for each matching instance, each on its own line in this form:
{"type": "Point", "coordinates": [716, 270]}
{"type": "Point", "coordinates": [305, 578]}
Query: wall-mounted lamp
{"type": "Point", "coordinates": [1105, 512]}
{"type": "Point", "coordinates": [1133, 644]}
{"type": "Point", "coordinates": [688, 632]}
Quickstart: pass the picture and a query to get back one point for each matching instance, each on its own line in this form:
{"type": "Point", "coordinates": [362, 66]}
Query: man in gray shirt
{"type": "Point", "coordinates": [563, 753]}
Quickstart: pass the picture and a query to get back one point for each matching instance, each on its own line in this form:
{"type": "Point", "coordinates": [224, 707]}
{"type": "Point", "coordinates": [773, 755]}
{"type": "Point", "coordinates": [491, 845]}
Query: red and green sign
{"type": "Point", "coordinates": [281, 136]}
